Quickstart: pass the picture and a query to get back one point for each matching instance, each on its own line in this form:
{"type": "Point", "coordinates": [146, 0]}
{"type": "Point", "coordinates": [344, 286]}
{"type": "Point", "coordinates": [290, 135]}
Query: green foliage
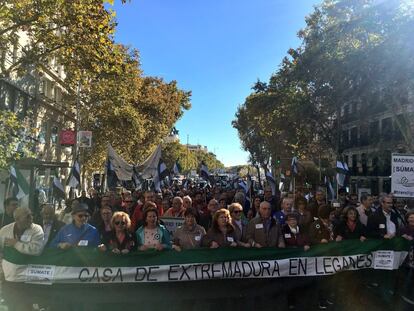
{"type": "Point", "coordinates": [352, 51]}
{"type": "Point", "coordinates": [15, 142]}
{"type": "Point", "coordinates": [188, 160]}
{"type": "Point", "coordinates": [120, 105]}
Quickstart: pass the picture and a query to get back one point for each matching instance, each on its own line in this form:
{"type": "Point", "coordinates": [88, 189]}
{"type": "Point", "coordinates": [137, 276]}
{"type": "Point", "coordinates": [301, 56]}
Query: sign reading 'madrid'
{"type": "Point", "coordinates": [402, 175]}
{"type": "Point", "coordinates": [217, 264]}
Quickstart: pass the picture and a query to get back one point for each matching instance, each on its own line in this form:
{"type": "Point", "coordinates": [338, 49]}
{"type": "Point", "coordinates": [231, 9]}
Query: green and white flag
{"type": "Point", "coordinates": [58, 190]}
{"type": "Point", "coordinates": [87, 266]}
{"type": "Point", "coordinates": [18, 184]}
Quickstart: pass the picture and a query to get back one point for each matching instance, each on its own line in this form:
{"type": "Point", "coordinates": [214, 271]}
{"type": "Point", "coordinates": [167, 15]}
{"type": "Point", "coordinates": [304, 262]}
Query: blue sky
{"type": "Point", "coordinates": [217, 49]}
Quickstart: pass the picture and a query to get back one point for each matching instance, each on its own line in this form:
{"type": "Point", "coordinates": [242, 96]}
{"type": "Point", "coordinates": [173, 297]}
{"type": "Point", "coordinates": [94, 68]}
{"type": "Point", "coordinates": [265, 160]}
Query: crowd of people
{"type": "Point", "coordinates": [126, 221]}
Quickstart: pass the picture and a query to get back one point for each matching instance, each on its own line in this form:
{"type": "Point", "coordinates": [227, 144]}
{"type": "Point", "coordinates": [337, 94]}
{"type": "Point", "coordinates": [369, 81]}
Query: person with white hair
{"type": "Point", "coordinates": [23, 235]}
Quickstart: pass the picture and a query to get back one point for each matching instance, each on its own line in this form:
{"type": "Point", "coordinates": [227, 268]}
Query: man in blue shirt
{"type": "Point", "coordinates": [79, 232]}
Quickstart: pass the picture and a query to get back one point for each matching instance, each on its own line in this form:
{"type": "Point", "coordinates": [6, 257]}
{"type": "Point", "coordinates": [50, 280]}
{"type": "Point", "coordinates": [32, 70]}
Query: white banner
{"type": "Point", "coordinates": [290, 267]}
{"type": "Point", "coordinates": [402, 175]}
{"type": "Point", "coordinates": [172, 223]}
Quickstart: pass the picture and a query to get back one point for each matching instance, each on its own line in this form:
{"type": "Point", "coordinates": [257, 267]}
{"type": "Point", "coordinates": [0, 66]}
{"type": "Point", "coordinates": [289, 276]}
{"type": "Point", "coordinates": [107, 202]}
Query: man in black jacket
{"type": "Point", "coordinates": [383, 223]}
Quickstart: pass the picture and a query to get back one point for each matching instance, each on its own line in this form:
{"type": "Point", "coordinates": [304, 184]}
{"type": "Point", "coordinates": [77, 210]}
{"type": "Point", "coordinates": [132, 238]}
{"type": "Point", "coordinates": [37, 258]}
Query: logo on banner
{"type": "Point", "coordinates": [40, 274]}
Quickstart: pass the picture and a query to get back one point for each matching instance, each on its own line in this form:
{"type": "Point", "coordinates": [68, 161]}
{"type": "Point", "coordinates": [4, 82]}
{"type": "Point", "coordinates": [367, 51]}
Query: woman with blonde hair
{"type": "Point", "coordinates": [120, 240]}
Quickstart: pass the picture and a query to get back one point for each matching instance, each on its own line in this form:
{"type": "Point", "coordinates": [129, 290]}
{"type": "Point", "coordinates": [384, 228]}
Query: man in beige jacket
{"type": "Point", "coordinates": [25, 236]}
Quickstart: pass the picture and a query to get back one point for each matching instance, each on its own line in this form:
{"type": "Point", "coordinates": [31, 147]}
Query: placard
{"type": "Point", "coordinates": [40, 274]}
{"type": "Point", "coordinates": [402, 175]}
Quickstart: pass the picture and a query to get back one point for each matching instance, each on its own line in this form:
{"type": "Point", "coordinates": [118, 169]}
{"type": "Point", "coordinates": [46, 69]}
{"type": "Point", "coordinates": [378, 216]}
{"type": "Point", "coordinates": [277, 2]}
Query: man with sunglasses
{"type": "Point", "coordinates": [79, 233]}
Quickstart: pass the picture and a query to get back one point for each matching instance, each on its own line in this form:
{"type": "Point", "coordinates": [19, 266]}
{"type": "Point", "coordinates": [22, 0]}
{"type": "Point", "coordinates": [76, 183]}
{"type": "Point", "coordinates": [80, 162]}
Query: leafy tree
{"type": "Point", "coordinates": [188, 160]}
{"type": "Point", "coordinates": [353, 52]}
{"type": "Point", "coordinates": [119, 104]}
{"type": "Point", "coordinates": [15, 139]}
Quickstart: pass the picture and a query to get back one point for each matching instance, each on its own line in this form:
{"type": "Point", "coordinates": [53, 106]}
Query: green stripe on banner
{"type": "Point", "coordinates": [84, 257]}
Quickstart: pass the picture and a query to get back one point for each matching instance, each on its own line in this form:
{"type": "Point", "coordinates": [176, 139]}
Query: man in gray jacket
{"type": "Point", "coordinates": [263, 231]}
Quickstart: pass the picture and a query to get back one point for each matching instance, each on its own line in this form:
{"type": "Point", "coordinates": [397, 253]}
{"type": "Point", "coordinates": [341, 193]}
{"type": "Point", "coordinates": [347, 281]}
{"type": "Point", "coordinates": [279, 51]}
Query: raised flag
{"type": "Point", "coordinates": [74, 178]}
{"type": "Point", "coordinates": [271, 181]}
{"type": "Point", "coordinates": [249, 187]}
{"type": "Point", "coordinates": [176, 168]}
{"type": "Point", "coordinates": [204, 172]}
{"type": "Point", "coordinates": [243, 185]}
{"type": "Point", "coordinates": [162, 170]}
{"type": "Point", "coordinates": [58, 190]}
{"type": "Point", "coordinates": [329, 188]}
{"type": "Point", "coordinates": [294, 166]}
{"type": "Point", "coordinates": [18, 184]}
{"type": "Point", "coordinates": [282, 181]}
{"type": "Point", "coordinates": [123, 169]}
{"type": "Point", "coordinates": [111, 177]}
{"type": "Point", "coordinates": [342, 171]}
{"type": "Point", "coordinates": [149, 168]}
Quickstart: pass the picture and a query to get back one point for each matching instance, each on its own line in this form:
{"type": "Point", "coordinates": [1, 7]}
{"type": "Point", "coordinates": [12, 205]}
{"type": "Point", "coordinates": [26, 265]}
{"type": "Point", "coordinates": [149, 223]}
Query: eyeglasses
{"type": "Point", "coordinates": [237, 212]}
{"type": "Point", "coordinates": [83, 215]}
{"type": "Point", "coordinates": [120, 223]}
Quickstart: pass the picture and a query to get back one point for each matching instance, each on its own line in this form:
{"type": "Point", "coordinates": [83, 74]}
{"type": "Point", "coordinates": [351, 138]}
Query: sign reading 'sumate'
{"type": "Point", "coordinates": [402, 175]}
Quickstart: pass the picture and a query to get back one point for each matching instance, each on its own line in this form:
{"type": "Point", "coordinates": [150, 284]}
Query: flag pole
{"type": "Point", "coordinates": [294, 190]}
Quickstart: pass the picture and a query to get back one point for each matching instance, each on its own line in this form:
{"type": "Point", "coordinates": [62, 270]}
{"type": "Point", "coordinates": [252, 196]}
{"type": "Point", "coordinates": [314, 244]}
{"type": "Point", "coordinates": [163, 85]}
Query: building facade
{"type": "Point", "coordinates": [369, 135]}
{"type": "Point", "coordinates": [38, 98]}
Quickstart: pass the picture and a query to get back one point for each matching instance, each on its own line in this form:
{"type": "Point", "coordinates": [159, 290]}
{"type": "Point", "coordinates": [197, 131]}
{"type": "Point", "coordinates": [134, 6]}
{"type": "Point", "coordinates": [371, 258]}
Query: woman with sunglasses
{"type": "Point", "coordinates": [239, 223]}
{"type": "Point", "coordinates": [120, 240]}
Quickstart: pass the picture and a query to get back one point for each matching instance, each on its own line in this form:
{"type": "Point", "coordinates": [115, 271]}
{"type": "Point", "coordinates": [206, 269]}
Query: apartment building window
{"type": "Point", "coordinates": [397, 131]}
{"type": "Point", "coordinates": [364, 163]}
{"type": "Point", "coordinates": [352, 108]}
{"type": "Point", "coordinates": [374, 130]}
{"type": "Point", "coordinates": [354, 164]}
{"type": "Point", "coordinates": [364, 134]}
{"type": "Point", "coordinates": [345, 138]}
{"type": "Point", "coordinates": [354, 136]}
{"type": "Point", "coordinates": [58, 94]}
{"type": "Point", "coordinates": [386, 128]}
{"type": "Point", "coordinates": [20, 105]}
{"type": "Point", "coordinates": [42, 86]}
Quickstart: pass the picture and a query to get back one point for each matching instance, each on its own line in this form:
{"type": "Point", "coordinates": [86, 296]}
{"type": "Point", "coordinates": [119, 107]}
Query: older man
{"type": "Point", "coordinates": [177, 209]}
{"type": "Point", "coordinates": [49, 223]}
{"type": "Point", "coordinates": [79, 232]}
{"type": "Point", "coordinates": [286, 208]}
{"type": "Point", "coordinates": [25, 236]}
{"type": "Point", "coordinates": [263, 231]}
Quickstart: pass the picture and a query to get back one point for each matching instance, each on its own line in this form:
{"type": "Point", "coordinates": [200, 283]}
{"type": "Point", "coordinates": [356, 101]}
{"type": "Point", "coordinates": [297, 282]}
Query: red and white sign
{"type": "Point", "coordinates": [67, 137]}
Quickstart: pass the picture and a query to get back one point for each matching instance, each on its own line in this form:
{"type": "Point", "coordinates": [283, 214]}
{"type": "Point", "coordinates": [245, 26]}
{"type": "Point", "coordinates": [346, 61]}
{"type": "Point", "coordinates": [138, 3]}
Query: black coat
{"type": "Point", "coordinates": [377, 224]}
{"type": "Point", "coordinates": [345, 232]}
{"type": "Point", "coordinates": [56, 226]}
{"type": "Point", "coordinates": [318, 232]}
